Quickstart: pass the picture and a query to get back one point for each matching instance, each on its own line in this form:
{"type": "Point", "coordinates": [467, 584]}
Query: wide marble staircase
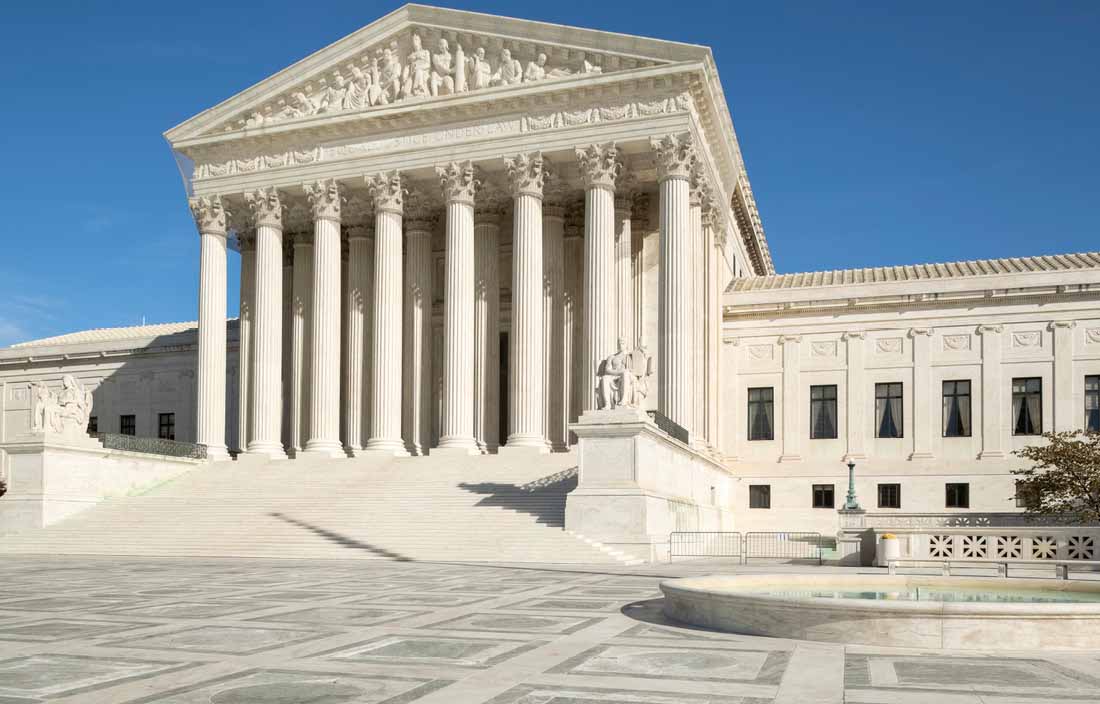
{"type": "Point", "coordinates": [494, 508]}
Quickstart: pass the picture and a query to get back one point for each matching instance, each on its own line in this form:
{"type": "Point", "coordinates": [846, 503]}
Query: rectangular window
{"type": "Point", "coordinates": [1027, 406]}
{"type": "Point", "coordinates": [889, 495]}
{"type": "Point", "coordinates": [888, 418]}
{"type": "Point", "coordinates": [166, 426]}
{"type": "Point", "coordinates": [761, 413]}
{"type": "Point", "coordinates": [760, 496]}
{"type": "Point", "coordinates": [956, 409]}
{"type": "Point", "coordinates": [93, 425]}
{"type": "Point", "coordinates": [1024, 497]}
{"type": "Point", "coordinates": [958, 496]}
{"type": "Point", "coordinates": [1092, 404]}
{"type": "Point", "coordinates": [823, 495]}
{"type": "Point", "coordinates": [823, 412]}
{"type": "Point", "coordinates": [127, 425]}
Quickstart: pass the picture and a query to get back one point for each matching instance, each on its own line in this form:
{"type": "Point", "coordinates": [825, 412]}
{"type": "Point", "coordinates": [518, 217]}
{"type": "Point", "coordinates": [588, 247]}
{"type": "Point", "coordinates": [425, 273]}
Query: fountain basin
{"type": "Point", "coordinates": [965, 613]}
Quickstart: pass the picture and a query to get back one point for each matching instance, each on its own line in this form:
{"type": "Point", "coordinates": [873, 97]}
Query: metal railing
{"type": "Point", "coordinates": [152, 446]}
{"type": "Point", "coordinates": [670, 427]}
{"type": "Point", "coordinates": [784, 546]}
{"type": "Point", "coordinates": [704, 544]}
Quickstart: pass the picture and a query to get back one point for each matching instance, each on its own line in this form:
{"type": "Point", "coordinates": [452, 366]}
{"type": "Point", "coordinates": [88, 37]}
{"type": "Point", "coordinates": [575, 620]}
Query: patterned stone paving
{"type": "Point", "coordinates": [207, 631]}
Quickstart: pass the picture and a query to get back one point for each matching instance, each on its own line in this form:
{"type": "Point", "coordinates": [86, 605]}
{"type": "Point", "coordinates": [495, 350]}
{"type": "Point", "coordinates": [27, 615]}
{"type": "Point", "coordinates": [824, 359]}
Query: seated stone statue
{"type": "Point", "coordinates": [65, 411]}
{"type": "Point", "coordinates": [641, 366]}
{"type": "Point", "coordinates": [615, 380]}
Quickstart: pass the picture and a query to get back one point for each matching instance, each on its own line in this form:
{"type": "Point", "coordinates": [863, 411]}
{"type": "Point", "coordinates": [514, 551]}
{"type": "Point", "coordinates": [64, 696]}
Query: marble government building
{"type": "Point", "coordinates": [447, 225]}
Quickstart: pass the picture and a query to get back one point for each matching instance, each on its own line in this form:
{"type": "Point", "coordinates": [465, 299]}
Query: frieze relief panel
{"type": "Point", "coordinates": [889, 345]}
{"type": "Point", "coordinates": [1027, 339]}
{"type": "Point", "coordinates": [424, 63]}
{"type": "Point", "coordinates": [956, 343]}
{"type": "Point", "coordinates": [222, 166]}
{"type": "Point", "coordinates": [760, 353]}
{"type": "Point", "coordinates": [823, 348]}
{"type": "Point", "coordinates": [1092, 336]}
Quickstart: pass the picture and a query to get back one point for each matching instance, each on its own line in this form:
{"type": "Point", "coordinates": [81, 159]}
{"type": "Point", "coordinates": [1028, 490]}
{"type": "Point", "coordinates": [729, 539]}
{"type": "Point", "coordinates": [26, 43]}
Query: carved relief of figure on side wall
{"type": "Point", "coordinates": [442, 80]}
{"type": "Point", "coordinates": [417, 72]}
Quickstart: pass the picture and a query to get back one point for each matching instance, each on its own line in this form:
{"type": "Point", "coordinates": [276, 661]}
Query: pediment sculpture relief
{"type": "Point", "coordinates": [384, 78]}
{"type": "Point", "coordinates": [64, 411]}
{"type": "Point", "coordinates": [622, 379]}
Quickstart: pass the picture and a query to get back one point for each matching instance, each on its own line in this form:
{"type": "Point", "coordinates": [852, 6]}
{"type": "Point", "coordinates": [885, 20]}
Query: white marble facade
{"type": "Point", "coordinates": [446, 220]}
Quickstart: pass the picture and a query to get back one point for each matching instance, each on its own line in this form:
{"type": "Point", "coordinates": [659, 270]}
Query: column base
{"type": "Point", "coordinates": [790, 458]}
{"type": "Point", "coordinates": [457, 451]}
{"type": "Point", "coordinates": [922, 456]}
{"type": "Point", "coordinates": [991, 455]}
{"type": "Point", "coordinates": [512, 448]}
{"type": "Point", "coordinates": [270, 451]}
{"type": "Point", "coordinates": [396, 448]}
{"type": "Point", "coordinates": [322, 448]}
{"type": "Point", "coordinates": [217, 453]}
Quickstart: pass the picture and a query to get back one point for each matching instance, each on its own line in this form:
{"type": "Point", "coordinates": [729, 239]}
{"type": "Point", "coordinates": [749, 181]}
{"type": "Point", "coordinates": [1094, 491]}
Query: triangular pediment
{"type": "Point", "coordinates": [381, 66]}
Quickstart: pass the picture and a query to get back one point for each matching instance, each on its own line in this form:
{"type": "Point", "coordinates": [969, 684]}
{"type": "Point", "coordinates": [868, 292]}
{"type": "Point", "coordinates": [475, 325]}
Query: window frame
{"type": "Point", "coordinates": [825, 400]}
{"type": "Point", "coordinates": [896, 487]}
{"type": "Point", "coordinates": [899, 423]}
{"type": "Point", "coordinates": [767, 494]}
{"type": "Point", "coordinates": [830, 488]}
{"type": "Point", "coordinates": [969, 406]}
{"type": "Point", "coordinates": [1095, 394]}
{"type": "Point", "coordinates": [1026, 394]}
{"type": "Point", "coordinates": [127, 419]}
{"type": "Point", "coordinates": [948, 494]}
{"type": "Point", "coordinates": [170, 425]}
{"type": "Point", "coordinates": [748, 416]}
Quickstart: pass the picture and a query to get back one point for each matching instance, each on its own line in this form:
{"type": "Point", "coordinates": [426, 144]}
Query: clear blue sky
{"type": "Point", "coordinates": [874, 132]}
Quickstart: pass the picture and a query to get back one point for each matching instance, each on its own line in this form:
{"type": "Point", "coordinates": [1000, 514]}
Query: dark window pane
{"type": "Point", "coordinates": [93, 424]}
{"type": "Point", "coordinates": [889, 495]}
{"type": "Point", "coordinates": [888, 410]}
{"type": "Point", "coordinates": [958, 496]}
{"type": "Point", "coordinates": [823, 423]}
{"type": "Point", "coordinates": [166, 426]}
{"type": "Point", "coordinates": [1027, 406]}
{"type": "Point", "coordinates": [956, 409]}
{"type": "Point", "coordinates": [1092, 403]}
{"type": "Point", "coordinates": [760, 496]}
{"type": "Point", "coordinates": [823, 496]}
{"type": "Point", "coordinates": [127, 425]}
{"type": "Point", "coordinates": [761, 414]}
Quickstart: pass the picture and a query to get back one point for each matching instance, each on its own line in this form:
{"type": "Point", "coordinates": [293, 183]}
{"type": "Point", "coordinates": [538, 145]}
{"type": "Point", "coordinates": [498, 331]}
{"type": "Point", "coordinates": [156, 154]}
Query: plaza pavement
{"type": "Point", "coordinates": [232, 631]}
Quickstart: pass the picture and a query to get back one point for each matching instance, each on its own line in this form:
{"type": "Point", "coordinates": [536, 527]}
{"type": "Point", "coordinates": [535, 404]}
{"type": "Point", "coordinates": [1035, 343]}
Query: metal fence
{"type": "Point", "coordinates": [704, 544]}
{"type": "Point", "coordinates": [783, 546]}
{"type": "Point", "coordinates": [671, 427]}
{"type": "Point", "coordinates": [152, 446]}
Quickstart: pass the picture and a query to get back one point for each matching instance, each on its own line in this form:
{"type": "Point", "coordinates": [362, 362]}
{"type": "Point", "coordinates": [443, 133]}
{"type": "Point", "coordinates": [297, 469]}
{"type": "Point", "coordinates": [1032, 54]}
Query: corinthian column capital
{"type": "Point", "coordinates": [526, 174]}
{"type": "Point", "coordinates": [266, 207]}
{"type": "Point", "coordinates": [209, 213]}
{"type": "Point", "coordinates": [387, 192]}
{"type": "Point", "coordinates": [325, 197]}
{"type": "Point", "coordinates": [675, 155]}
{"type": "Point", "coordinates": [459, 180]}
{"type": "Point", "coordinates": [600, 165]}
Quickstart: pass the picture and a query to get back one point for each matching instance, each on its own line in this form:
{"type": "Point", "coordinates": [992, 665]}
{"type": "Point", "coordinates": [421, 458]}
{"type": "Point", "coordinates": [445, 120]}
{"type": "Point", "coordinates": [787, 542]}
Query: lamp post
{"type": "Point", "coordinates": [851, 503]}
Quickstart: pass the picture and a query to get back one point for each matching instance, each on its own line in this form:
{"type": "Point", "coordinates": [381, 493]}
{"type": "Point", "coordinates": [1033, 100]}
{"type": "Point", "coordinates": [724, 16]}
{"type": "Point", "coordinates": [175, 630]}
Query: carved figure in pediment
{"type": "Point", "coordinates": [442, 79]}
{"type": "Point", "coordinates": [481, 73]}
{"type": "Point", "coordinates": [254, 120]}
{"type": "Point", "coordinates": [509, 72]}
{"type": "Point", "coordinates": [299, 106]}
{"type": "Point", "coordinates": [355, 98]}
{"type": "Point", "coordinates": [392, 74]}
{"type": "Point", "coordinates": [536, 70]}
{"type": "Point", "coordinates": [418, 71]}
{"type": "Point", "coordinates": [376, 94]}
{"type": "Point", "coordinates": [332, 99]}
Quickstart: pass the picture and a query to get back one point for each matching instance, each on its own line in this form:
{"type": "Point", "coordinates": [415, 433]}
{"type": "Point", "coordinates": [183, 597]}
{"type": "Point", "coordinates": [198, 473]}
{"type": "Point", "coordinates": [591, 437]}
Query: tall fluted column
{"type": "Point", "coordinates": [418, 330]}
{"type": "Point", "coordinates": [267, 359]}
{"type": "Point", "coordinates": [244, 335]}
{"type": "Point", "coordinates": [675, 158]}
{"type": "Point", "coordinates": [210, 218]}
{"type": "Point", "coordinates": [624, 271]}
{"type": "Point", "coordinates": [301, 334]}
{"type": "Point", "coordinates": [324, 402]}
{"type": "Point", "coordinates": [387, 343]}
{"type": "Point", "coordinates": [696, 193]}
{"type": "Point", "coordinates": [712, 225]}
{"type": "Point", "coordinates": [600, 166]}
{"type": "Point", "coordinates": [357, 302]}
{"type": "Point", "coordinates": [553, 262]}
{"type": "Point", "coordinates": [288, 327]}
{"type": "Point", "coordinates": [572, 320]}
{"type": "Point", "coordinates": [459, 183]}
{"type": "Point", "coordinates": [639, 227]}
{"type": "Point", "coordinates": [526, 425]}
{"type": "Point", "coordinates": [487, 214]}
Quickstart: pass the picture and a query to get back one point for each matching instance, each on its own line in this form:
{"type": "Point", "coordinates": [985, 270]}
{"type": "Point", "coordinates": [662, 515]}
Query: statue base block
{"type": "Point", "coordinates": [636, 484]}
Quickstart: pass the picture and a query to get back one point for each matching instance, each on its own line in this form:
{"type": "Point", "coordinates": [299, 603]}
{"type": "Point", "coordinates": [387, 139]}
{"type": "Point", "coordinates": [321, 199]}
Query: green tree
{"type": "Point", "coordinates": [1064, 477]}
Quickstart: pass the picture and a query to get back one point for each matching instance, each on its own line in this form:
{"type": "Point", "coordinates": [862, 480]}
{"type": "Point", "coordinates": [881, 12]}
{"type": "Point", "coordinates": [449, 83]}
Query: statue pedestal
{"type": "Point", "coordinates": [636, 484]}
